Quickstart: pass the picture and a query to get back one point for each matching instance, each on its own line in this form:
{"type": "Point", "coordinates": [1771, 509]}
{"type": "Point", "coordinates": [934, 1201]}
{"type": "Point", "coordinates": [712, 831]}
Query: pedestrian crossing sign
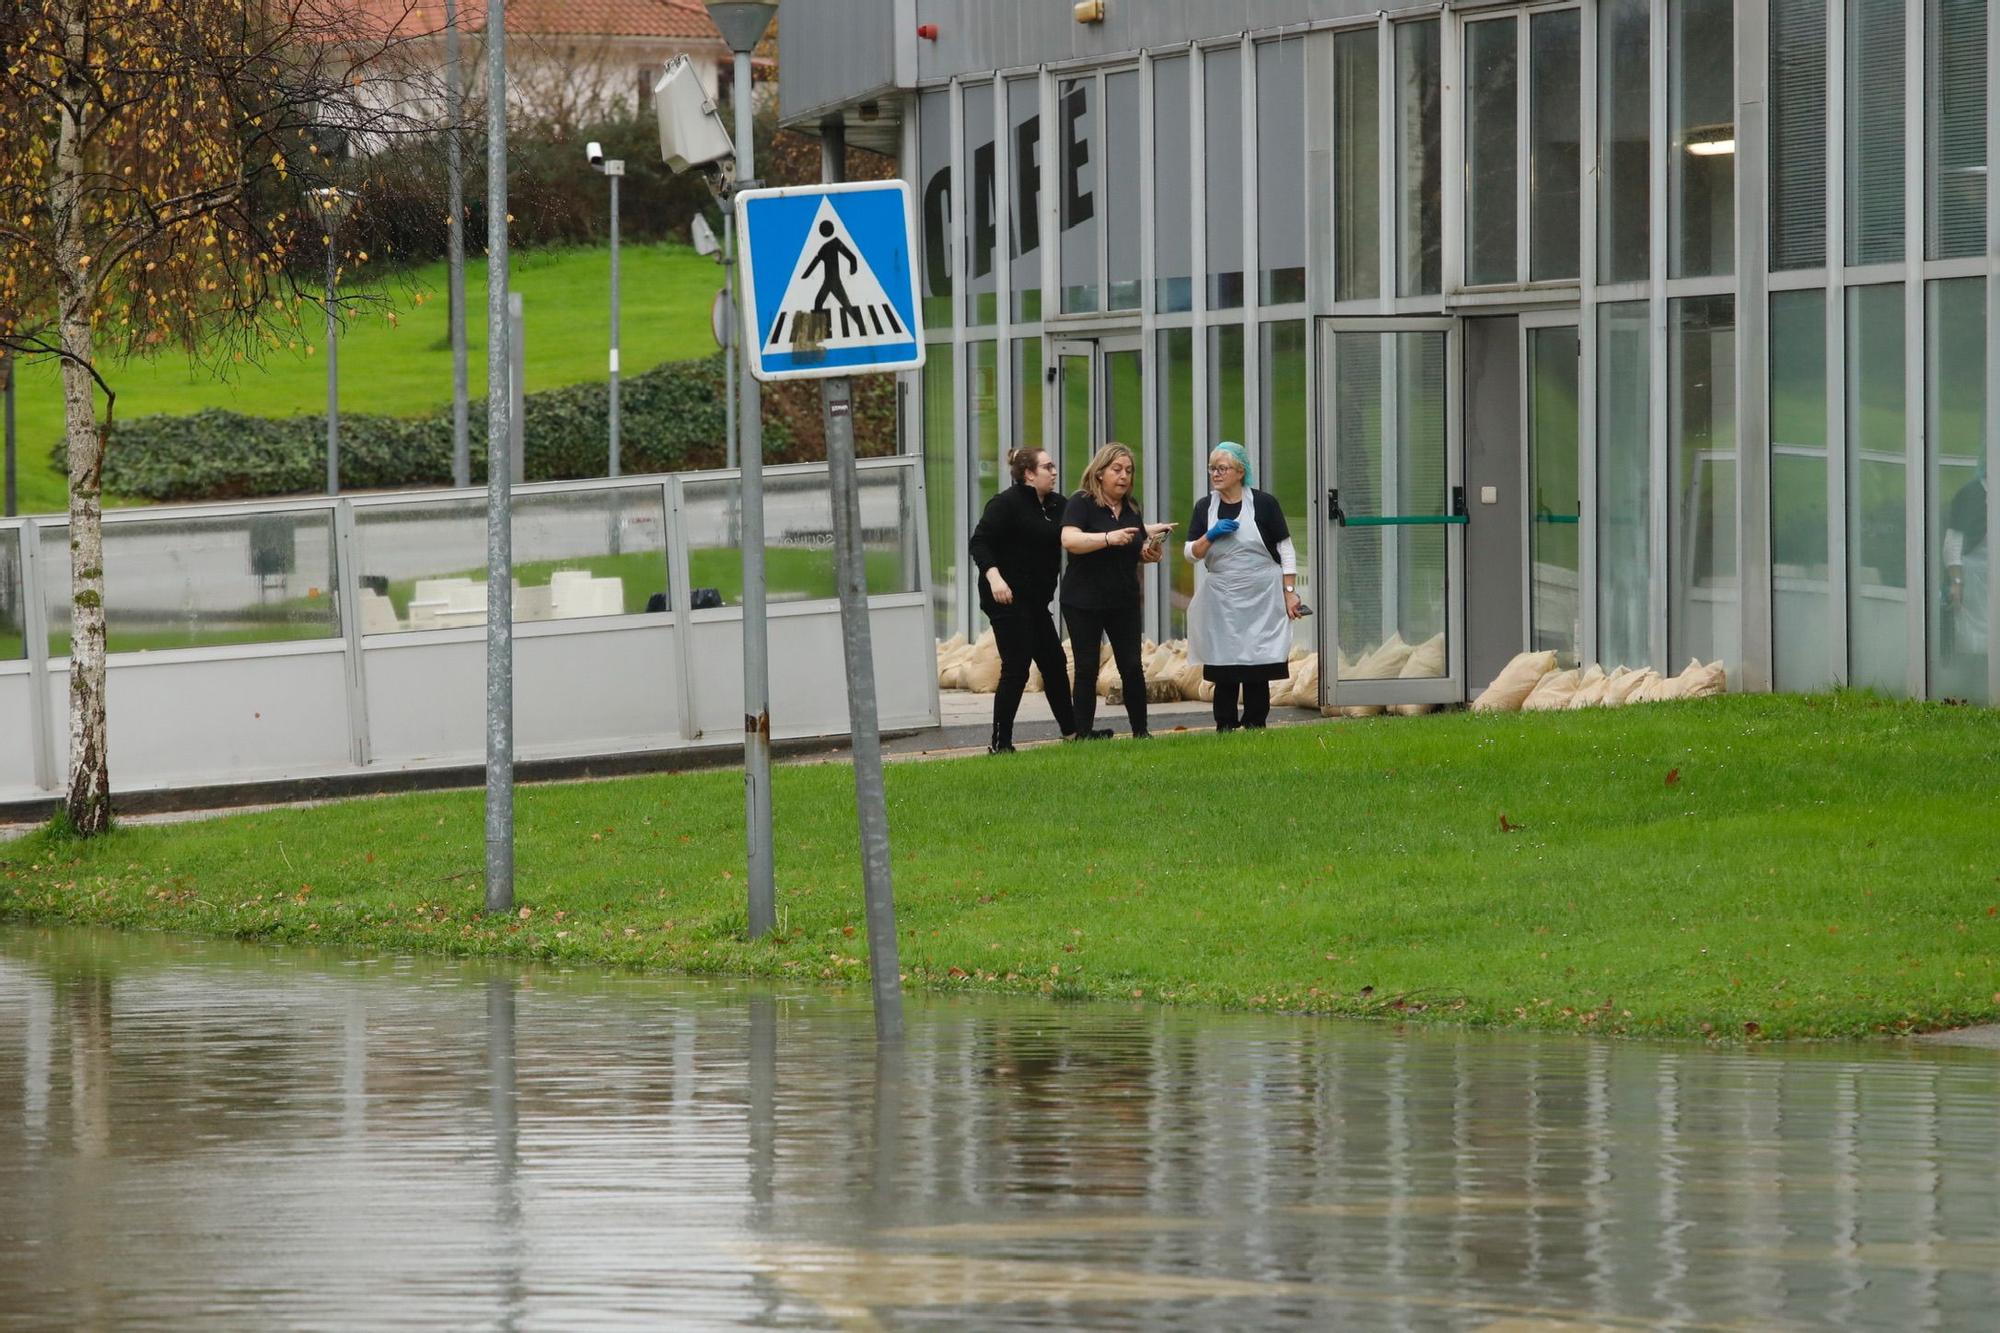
{"type": "Point", "coordinates": [829, 280]}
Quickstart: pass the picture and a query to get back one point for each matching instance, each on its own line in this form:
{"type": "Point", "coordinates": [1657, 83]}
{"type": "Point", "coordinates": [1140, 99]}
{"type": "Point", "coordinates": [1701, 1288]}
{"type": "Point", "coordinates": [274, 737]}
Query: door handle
{"type": "Point", "coordinates": [1458, 502]}
{"type": "Point", "coordinates": [1334, 512]}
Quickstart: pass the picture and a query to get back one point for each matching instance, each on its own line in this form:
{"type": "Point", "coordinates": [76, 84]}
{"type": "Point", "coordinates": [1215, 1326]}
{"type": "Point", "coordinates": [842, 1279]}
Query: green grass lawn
{"type": "Point", "coordinates": [1741, 867]}
{"type": "Point", "coordinates": [404, 367]}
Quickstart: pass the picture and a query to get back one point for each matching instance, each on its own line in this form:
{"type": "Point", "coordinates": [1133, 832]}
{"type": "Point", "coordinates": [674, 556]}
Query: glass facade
{"type": "Point", "coordinates": [1701, 161]}
{"type": "Point", "coordinates": [982, 214]}
{"type": "Point", "coordinates": [1798, 133]}
{"type": "Point", "coordinates": [1121, 181]}
{"type": "Point", "coordinates": [1173, 191]}
{"type": "Point", "coordinates": [1357, 165]}
{"type": "Point", "coordinates": [1492, 174]}
{"type": "Point", "coordinates": [1955, 92]}
{"type": "Point", "coordinates": [1878, 584]}
{"type": "Point", "coordinates": [1555, 143]}
{"type": "Point", "coordinates": [1874, 168]}
{"type": "Point", "coordinates": [1555, 568]}
{"type": "Point", "coordinates": [1624, 139]}
{"type": "Point", "coordinates": [1281, 171]}
{"type": "Point", "coordinates": [1624, 486]}
{"type": "Point", "coordinates": [1222, 188]}
{"type": "Point", "coordinates": [1955, 391]}
{"type": "Point", "coordinates": [1801, 580]}
{"type": "Point", "coordinates": [1702, 614]}
{"type": "Point", "coordinates": [1078, 173]}
{"type": "Point", "coordinates": [1300, 187]}
{"type": "Point", "coordinates": [1419, 158]}
{"type": "Point", "coordinates": [1024, 175]}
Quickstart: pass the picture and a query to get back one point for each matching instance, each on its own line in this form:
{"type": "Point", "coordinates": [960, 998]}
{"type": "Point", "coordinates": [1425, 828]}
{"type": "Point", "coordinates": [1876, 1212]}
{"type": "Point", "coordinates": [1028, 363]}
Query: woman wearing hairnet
{"type": "Point", "coordinates": [1239, 623]}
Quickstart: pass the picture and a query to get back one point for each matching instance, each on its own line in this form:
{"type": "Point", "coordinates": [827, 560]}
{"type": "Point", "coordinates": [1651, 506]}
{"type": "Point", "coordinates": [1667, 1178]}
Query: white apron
{"type": "Point", "coordinates": [1238, 615]}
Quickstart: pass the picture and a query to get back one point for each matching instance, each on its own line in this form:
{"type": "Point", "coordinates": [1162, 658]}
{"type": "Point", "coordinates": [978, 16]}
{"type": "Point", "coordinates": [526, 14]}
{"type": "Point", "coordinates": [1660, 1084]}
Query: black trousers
{"type": "Point", "coordinates": [1088, 627]}
{"type": "Point", "coordinates": [1027, 635]}
{"type": "Point", "coordinates": [1256, 703]}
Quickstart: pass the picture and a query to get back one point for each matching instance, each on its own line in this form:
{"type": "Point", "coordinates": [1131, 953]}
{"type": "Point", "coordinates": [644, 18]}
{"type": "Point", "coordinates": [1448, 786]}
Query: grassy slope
{"type": "Point", "coordinates": [1817, 866]}
{"type": "Point", "coordinates": [404, 368]}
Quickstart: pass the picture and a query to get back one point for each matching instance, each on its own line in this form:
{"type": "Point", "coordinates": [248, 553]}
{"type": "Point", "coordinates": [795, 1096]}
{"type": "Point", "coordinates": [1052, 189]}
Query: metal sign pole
{"type": "Point", "coordinates": [763, 912]}
{"type": "Point", "coordinates": [499, 474]}
{"type": "Point", "coordinates": [614, 169]}
{"type": "Point", "coordinates": [871, 807]}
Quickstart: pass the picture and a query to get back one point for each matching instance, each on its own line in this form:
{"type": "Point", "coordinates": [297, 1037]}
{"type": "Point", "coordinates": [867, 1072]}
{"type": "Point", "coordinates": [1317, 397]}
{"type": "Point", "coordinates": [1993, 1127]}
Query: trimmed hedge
{"type": "Point", "coordinates": [672, 417]}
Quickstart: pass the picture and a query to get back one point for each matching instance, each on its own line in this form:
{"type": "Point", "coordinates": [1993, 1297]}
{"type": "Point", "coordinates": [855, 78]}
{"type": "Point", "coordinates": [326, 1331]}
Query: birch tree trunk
{"type": "Point", "coordinates": [89, 804]}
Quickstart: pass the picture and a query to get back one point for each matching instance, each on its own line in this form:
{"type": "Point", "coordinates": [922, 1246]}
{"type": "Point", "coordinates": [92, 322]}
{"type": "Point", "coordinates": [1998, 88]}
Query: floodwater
{"type": "Point", "coordinates": [205, 1134]}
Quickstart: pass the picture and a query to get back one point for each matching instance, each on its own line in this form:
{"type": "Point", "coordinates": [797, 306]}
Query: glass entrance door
{"type": "Point", "coordinates": [1396, 508]}
{"type": "Point", "coordinates": [1100, 398]}
{"type": "Point", "coordinates": [1555, 558]}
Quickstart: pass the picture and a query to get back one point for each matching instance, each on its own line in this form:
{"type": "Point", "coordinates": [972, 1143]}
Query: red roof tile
{"type": "Point", "coordinates": [684, 20]}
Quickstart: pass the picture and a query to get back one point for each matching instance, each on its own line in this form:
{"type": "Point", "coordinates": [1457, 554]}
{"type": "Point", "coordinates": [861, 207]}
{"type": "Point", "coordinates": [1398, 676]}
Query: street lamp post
{"type": "Point", "coordinates": [613, 170]}
{"type": "Point", "coordinates": [742, 24]}
{"type": "Point", "coordinates": [331, 204]}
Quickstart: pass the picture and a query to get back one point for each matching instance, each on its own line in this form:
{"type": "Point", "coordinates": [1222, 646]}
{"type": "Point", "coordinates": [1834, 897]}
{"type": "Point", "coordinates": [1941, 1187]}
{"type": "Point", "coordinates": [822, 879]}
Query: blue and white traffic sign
{"type": "Point", "coordinates": [829, 280]}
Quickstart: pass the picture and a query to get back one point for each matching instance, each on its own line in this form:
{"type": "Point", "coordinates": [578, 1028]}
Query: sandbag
{"type": "Point", "coordinates": [1589, 687]}
{"type": "Point", "coordinates": [1385, 663]}
{"type": "Point", "coordinates": [1553, 692]}
{"type": "Point", "coordinates": [1305, 683]}
{"type": "Point", "coordinates": [1188, 681]}
{"type": "Point", "coordinates": [1362, 710]}
{"type": "Point", "coordinates": [1663, 689]}
{"type": "Point", "coordinates": [981, 671]}
{"type": "Point", "coordinates": [1157, 661]}
{"type": "Point", "coordinates": [1515, 682]}
{"type": "Point", "coordinates": [1035, 683]}
{"type": "Point", "coordinates": [1624, 689]}
{"type": "Point", "coordinates": [1109, 683]}
{"type": "Point", "coordinates": [1426, 660]}
{"type": "Point", "coordinates": [1712, 680]}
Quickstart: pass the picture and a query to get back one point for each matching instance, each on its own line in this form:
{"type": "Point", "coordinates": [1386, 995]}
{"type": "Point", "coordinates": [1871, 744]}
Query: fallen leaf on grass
{"type": "Point", "coordinates": [1673, 776]}
{"type": "Point", "coordinates": [1506, 825]}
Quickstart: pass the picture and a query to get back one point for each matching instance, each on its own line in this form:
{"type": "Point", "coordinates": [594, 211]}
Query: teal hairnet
{"type": "Point", "coordinates": [1242, 457]}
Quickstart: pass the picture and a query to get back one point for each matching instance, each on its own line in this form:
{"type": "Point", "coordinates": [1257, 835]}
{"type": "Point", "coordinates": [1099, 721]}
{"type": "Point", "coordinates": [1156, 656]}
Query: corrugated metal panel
{"type": "Point", "coordinates": [834, 52]}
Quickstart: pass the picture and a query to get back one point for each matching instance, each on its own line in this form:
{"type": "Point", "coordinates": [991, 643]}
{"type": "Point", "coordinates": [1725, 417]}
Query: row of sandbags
{"type": "Point", "coordinates": [1170, 674]}
{"type": "Point", "coordinates": [1530, 683]}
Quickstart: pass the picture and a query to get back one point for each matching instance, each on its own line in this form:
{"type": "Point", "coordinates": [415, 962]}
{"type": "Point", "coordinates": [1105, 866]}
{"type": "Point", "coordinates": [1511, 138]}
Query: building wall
{"type": "Point", "coordinates": [1768, 224]}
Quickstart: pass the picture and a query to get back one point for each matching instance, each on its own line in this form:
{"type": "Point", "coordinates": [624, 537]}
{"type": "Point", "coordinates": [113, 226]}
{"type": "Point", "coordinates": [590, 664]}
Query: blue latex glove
{"type": "Point", "coordinates": [1220, 530]}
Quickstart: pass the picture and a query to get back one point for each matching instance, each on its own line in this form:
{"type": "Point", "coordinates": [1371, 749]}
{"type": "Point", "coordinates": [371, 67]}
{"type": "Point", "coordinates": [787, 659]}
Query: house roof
{"type": "Point", "coordinates": [678, 20]}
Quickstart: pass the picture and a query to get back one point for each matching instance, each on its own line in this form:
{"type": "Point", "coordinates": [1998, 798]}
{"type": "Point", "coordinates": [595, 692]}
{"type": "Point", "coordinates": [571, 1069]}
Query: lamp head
{"type": "Point", "coordinates": [595, 152]}
{"type": "Point", "coordinates": [742, 23]}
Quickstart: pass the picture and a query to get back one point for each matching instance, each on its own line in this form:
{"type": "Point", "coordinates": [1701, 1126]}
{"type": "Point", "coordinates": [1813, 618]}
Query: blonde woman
{"type": "Point", "coordinates": [1107, 541]}
{"type": "Point", "coordinates": [1239, 624]}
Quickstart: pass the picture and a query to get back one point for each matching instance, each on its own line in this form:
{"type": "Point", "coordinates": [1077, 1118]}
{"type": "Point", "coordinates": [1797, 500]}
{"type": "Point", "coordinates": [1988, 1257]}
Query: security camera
{"type": "Point", "coordinates": [691, 133]}
{"type": "Point", "coordinates": [595, 152]}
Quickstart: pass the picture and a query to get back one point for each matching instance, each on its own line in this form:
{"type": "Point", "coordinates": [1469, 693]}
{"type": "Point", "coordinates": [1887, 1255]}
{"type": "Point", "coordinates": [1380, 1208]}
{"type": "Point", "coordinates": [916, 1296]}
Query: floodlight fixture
{"type": "Point", "coordinates": [691, 131]}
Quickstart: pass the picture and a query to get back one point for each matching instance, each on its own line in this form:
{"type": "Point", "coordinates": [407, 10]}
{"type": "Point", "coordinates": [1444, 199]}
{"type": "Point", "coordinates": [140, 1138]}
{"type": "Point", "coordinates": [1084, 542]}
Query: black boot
{"type": "Point", "coordinates": [1002, 742]}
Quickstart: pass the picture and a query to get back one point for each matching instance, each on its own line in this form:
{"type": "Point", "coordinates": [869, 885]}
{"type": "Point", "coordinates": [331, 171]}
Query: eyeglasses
{"type": "Point", "coordinates": [1222, 467]}
{"type": "Point", "coordinates": [1045, 466]}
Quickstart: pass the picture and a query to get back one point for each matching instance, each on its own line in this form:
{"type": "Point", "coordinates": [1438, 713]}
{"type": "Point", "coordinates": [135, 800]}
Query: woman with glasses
{"type": "Point", "coordinates": [1018, 549]}
{"type": "Point", "coordinates": [1239, 622]}
{"type": "Point", "coordinates": [1107, 541]}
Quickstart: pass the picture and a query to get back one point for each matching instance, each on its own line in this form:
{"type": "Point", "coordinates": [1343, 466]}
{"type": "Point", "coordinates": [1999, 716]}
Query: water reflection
{"type": "Point", "coordinates": [200, 1133]}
